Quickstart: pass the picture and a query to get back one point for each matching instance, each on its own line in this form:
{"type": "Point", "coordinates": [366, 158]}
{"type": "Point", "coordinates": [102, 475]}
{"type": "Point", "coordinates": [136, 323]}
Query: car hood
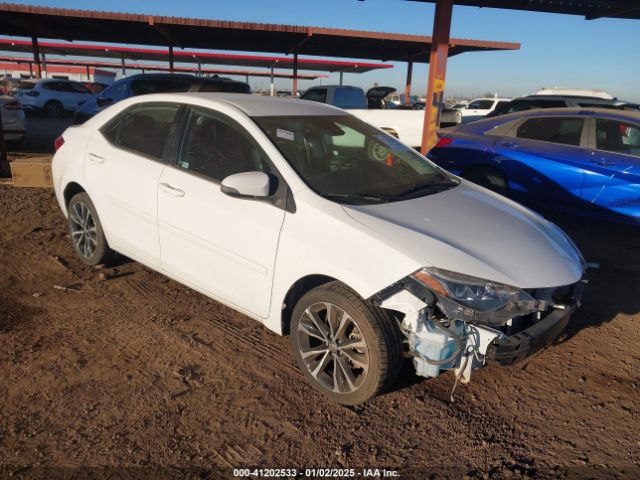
{"type": "Point", "coordinates": [471, 230]}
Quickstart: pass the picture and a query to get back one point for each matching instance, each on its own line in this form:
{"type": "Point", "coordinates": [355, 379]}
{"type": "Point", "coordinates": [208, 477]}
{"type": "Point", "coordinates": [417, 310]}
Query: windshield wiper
{"type": "Point", "coordinates": [370, 197]}
{"type": "Point", "coordinates": [428, 188]}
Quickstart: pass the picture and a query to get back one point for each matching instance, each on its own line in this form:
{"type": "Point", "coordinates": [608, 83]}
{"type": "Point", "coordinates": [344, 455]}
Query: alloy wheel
{"type": "Point", "coordinates": [333, 348]}
{"type": "Point", "coordinates": [83, 230]}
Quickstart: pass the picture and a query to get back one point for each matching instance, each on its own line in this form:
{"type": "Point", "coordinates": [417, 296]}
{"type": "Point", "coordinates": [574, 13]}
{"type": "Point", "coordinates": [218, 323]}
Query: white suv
{"type": "Point", "coordinates": [52, 97]}
{"type": "Point", "coordinates": [320, 226]}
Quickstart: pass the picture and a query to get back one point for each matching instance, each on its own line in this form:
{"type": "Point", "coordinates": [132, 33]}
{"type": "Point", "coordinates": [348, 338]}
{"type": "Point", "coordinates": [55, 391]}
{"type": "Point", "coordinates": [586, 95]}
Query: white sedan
{"type": "Point", "coordinates": [319, 226]}
{"type": "Point", "coordinates": [12, 116]}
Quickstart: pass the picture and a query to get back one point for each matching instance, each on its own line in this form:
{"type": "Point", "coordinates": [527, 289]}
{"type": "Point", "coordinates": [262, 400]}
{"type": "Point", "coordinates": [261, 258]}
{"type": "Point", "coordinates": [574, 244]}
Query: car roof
{"type": "Point", "coordinates": [577, 98]}
{"type": "Point", "coordinates": [251, 104]}
{"type": "Point", "coordinates": [586, 111]}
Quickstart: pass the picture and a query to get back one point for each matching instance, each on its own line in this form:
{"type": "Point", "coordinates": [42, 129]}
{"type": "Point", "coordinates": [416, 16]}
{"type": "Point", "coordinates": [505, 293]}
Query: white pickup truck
{"type": "Point", "coordinates": [404, 122]}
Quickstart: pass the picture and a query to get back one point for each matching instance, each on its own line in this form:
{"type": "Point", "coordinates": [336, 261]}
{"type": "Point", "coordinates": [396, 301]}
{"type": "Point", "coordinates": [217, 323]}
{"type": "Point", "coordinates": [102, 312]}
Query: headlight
{"type": "Point", "coordinates": [471, 292]}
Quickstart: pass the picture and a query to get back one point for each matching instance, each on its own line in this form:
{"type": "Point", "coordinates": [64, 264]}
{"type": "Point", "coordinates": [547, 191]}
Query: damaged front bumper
{"type": "Point", "coordinates": [442, 338]}
{"type": "Point", "coordinates": [515, 348]}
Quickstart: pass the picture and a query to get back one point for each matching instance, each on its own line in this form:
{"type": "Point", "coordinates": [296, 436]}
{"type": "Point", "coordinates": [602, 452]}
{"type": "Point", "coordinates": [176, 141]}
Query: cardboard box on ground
{"type": "Point", "coordinates": [32, 172]}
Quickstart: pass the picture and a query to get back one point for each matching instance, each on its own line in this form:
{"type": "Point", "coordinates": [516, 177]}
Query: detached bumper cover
{"type": "Point", "coordinates": [516, 348]}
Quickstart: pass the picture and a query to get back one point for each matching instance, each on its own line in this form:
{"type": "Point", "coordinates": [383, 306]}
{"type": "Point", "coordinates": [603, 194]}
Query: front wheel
{"type": "Point", "coordinates": [348, 350]}
{"type": "Point", "coordinates": [53, 109]}
{"type": "Point", "coordinates": [86, 231]}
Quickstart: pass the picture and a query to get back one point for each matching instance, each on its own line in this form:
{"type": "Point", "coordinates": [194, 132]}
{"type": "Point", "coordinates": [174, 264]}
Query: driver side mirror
{"type": "Point", "coordinates": [246, 184]}
{"type": "Point", "coordinates": [102, 101]}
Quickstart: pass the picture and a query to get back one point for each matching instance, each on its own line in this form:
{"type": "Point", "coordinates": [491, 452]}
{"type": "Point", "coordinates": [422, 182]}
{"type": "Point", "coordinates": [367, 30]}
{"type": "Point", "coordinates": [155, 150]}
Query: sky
{"type": "Point", "coordinates": [557, 50]}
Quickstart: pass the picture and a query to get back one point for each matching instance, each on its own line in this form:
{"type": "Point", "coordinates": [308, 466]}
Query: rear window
{"type": "Point", "coordinates": [521, 105]}
{"type": "Point", "coordinates": [144, 129]}
{"type": "Point", "coordinates": [552, 129]}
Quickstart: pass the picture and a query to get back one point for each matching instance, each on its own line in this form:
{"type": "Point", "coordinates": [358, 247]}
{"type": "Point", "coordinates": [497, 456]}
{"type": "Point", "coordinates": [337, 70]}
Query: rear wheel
{"type": "Point", "coordinates": [86, 231]}
{"type": "Point", "coordinates": [348, 350]}
{"type": "Point", "coordinates": [53, 109]}
{"type": "Point", "coordinates": [489, 178]}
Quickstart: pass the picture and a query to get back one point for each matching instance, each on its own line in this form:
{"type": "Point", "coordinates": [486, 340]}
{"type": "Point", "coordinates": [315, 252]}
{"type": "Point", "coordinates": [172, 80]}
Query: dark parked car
{"type": "Point", "coordinates": [532, 102]}
{"type": "Point", "coordinates": [155, 83]}
{"type": "Point", "coordinates": [582, 161]}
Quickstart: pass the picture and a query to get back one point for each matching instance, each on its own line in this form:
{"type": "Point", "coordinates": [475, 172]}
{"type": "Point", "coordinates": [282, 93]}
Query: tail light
{"type": "Point", "coordinates": [443, 142]}
{"type": "Point", "coordinates": [58, 142]}
{"type": "Point", "coordinates": [32, 93]}
{"type": "Point", "coordinates": [14, 105]}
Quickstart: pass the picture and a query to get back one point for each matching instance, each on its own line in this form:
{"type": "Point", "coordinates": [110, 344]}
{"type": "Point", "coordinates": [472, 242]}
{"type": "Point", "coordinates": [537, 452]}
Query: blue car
{"type": "Point", "coordinates": [576, 160]}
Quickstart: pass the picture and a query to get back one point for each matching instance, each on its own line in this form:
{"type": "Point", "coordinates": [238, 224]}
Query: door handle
{"type": "Point", "coordinates": [96, 158]}
{"type": "Point", "coordinates": [509, 144]}
{"type": "Point", "coordinates": [602, 162]}
{"type": "Point", "coordinates": [176, 192]}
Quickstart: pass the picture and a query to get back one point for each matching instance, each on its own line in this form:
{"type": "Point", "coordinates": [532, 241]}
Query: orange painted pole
{"type": "Point", "coordinates": [437, 73]}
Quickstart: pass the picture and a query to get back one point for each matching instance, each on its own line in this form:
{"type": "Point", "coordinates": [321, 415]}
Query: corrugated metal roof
{"type": "Point", "coordinates": [139, 29]}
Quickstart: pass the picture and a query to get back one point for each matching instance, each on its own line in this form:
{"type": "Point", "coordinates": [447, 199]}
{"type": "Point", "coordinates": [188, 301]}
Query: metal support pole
{"type": "Point", "coordinates": [44, 64]}
{"type": "Point", "coordinates": [88, 73]}
{"type": "Point", "coordinates": [294, 87]}
{"type": "Point", "coordinates": [5, 170]}
{"type": "Point", "coordinates": [437, 73]}
{"type": "Point", "coordinates": [246, 78]}
{"type": "Point", "coordinates": [341, 74]}
{"type": "Point", "coordinates": [170, 58]}
{"type": "Point", "coordinates": [272, 88]}
{"type": "Point", "coordinates": [199, 69]}
{"type": "Point", "coordinates": [124, 66]}
{"type": "Point", "coordinates": [36, 56]}
{"type": "Point", "coordinates": [407, 87]}
{"type": "Point", "coordinates": [30, 69]}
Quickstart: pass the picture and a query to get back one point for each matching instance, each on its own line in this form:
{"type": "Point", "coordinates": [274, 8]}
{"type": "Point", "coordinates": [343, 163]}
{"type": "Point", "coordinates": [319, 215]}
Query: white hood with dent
{"type": "Point", "coordinates": [470, 230]}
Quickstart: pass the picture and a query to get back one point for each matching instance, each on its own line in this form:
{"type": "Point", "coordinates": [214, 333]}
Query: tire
{"type": "Point", "coordinates": [488, 177]}
{"type": "Point", "coordinates": [87, 235]}
{"type": "Point", "coordinates": [352, 366]}
{"type": "Point", "coordinates": [53, 109]}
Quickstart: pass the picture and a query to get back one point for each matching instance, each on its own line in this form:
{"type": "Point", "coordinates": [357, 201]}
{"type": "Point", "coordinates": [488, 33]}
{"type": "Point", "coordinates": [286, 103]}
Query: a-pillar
{"type": "Point", "coordinates": [437, 73]}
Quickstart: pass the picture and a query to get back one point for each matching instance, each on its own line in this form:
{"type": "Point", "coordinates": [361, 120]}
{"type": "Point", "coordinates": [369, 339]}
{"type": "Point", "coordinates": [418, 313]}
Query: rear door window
{"type": "Point", "coordinates": [616, 136]}
{"type": "Point", "coordinates": [144, 129]}
{"type": "Point", "coordinates": [564, 130]}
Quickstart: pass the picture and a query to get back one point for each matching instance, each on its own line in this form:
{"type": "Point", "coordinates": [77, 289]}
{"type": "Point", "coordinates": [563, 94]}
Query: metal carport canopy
{"type": "Point", "coordinates": [590, 9]}
{"type": "Point", "coordinates": [140, 29]}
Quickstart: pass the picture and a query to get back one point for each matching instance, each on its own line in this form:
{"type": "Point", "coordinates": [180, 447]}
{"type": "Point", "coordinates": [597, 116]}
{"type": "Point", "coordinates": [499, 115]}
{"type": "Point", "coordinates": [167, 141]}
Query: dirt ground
{"type": "Point", "coordinates": [131, 375]}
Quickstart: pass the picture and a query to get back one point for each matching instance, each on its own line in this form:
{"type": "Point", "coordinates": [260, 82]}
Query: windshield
{"type": "Point", "coordinates": [347, 160]}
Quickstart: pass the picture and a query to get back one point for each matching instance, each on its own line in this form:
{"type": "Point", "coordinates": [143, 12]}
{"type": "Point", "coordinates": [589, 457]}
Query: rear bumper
{"type": "Point", "coordinates": [13, 134]}
{"type": "Point", "coordinates": [518, 347]}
